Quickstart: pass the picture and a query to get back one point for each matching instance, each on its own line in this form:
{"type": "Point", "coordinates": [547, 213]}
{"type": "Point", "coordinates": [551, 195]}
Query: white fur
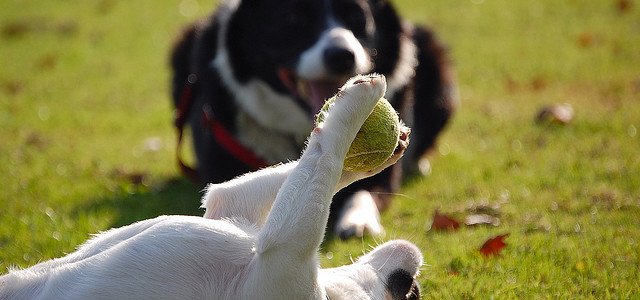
{"type": "Point", "coordinates": [359, 215]}
{"type": "Point", "coordinates": [405, 70]}
{"type": "Point", "coordinates": [259, 238]}
{"type": "Point", "coordinates": [270, 109]}
{"type": "Point", "coordinates": [311, 65]}
{"type": "Point", "coordinates": [272, 146]}
{"type": "Point", "coordinates": [271, 118]}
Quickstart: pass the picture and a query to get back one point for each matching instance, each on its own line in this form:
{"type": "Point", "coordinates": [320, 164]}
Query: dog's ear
{"type": "Point", "coordinates": [384, 8]}
{"type": "Point", "coordinates": [377, 4]}
{"type": "Point", "coordinates": [389, 32]}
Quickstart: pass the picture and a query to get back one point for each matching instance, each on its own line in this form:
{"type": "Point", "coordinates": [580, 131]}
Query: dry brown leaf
{"type": "Point", "coordinates": [556, 114]}
{"type": "Point", "coordinates": [444, 222]}
{"type": "Point", "coordinates": [624, 5]}
{"type": "Point", "coordinates": [493, 246]}
{"type": "Point", "coordinates": [481, 219]}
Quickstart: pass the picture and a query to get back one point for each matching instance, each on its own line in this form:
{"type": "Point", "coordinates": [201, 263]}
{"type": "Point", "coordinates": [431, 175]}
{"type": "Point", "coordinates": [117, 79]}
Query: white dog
{"type": "Point", "coordinates": [259, 238]}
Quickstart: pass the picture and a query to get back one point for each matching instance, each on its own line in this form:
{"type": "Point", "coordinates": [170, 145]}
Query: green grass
{"type": "Point", "coordinates": [84, 105]}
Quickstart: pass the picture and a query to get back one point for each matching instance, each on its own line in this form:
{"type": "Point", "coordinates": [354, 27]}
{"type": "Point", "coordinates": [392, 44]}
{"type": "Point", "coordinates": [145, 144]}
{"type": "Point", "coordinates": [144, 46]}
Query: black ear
{"type": "Point", "coordinates": [389, 32]}
{"type": "Point", "coordinates": [379, 3]}
{"type": "Point", "coordinates": [402, 286]}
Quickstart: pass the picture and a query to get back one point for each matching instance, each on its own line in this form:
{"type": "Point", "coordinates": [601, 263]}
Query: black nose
{"type": "Point", "coordinates": [402, 286]}
{"type": "Point", "coordinates": [339, 60]}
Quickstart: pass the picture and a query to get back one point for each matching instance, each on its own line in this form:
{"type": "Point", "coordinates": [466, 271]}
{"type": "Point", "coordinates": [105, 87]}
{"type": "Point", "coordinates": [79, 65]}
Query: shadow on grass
{"type": "Point", "coordinates": [174, 196]}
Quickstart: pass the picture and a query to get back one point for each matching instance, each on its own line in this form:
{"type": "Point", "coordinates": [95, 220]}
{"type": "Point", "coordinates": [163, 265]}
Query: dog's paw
{"type": "Point", "coordinates": [365, 86]}
{"type": "Point", "coordinates": [356, 98]}
{"type": "Point", "coordinates": [359, 215]}
{"type": "Point", "coordinates": [401, 147]}
{"type": "Point", "coordinates": [349, 177]}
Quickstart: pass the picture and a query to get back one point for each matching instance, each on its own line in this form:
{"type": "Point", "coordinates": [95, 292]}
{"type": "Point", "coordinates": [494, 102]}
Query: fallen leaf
{"type": "Point", "coordinates": [47, 62]}
{"type": "Point", "coordinates": [444, 222]}
{"type": "Point", "coordinates": [20, 28]}
{"type": "Point", "coordinates": [483, 207]}
{"type": "Point", "coordinates": [624, 5]}
{"type": "Point", "coordinates": [15, 29]}
{"type": "Point", "coordinates": [12, 88]}
{"type": "Point", "coordinates": [481, 219]}
{"type": "Point", "coordinates": [556, 114]}
{"type": "Point", "coordinates": [36, 140]}
{"type": "Point", "coordinates": [538, 83]}
{"type": "Point", "coordinates": [494, 245]}
{"type": "Point", "coordinates": [586, 40]}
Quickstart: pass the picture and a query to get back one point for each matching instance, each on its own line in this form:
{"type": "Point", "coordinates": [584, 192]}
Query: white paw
{"type": "Point", "coordinates": [359, 215]}
{"type": "Point", "coordinates": [349, 177]}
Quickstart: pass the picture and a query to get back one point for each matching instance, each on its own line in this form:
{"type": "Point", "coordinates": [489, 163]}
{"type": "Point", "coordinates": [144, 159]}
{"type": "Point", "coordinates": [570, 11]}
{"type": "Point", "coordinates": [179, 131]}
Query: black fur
{"type": "Point", "coordinates": [266, 35]}
{"type": "Point", "coordinates": [402, 286]}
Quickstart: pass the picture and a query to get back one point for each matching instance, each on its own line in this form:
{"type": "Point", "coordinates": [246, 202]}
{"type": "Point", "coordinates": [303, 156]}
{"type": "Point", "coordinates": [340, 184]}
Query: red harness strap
{"type": "Point", "coordinates": [179, 120]}
{"type": "Point", "coordinates": [231, 144]}
{"type": "Point", "coordinates": [222, 136]}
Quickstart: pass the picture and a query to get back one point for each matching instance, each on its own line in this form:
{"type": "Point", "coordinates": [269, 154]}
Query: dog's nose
{"type": "Point", "coordinates": [339, 60]}
{"type": "Point", "coordinates": [402, 286]}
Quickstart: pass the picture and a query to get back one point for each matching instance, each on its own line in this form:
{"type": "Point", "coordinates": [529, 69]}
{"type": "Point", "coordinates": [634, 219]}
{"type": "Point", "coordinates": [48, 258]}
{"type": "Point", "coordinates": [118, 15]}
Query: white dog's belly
{"type": "Point", "coordinates": [177, 257]}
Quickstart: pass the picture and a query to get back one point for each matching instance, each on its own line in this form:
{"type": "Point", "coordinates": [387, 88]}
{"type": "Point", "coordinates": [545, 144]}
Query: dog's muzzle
{"type": "Point", "coordinates": [312, 93]}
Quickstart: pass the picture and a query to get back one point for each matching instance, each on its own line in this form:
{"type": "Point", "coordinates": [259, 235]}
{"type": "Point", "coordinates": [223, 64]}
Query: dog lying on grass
{"type": "Point", "coordinates": [259, 238]}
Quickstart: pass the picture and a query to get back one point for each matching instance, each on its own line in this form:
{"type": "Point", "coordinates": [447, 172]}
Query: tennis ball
{"type": "Point", "coordinates": [376, 140]}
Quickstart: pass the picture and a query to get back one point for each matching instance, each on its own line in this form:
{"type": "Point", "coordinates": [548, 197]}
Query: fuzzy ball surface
{"type": "Point", "coordinates": [376, 140]}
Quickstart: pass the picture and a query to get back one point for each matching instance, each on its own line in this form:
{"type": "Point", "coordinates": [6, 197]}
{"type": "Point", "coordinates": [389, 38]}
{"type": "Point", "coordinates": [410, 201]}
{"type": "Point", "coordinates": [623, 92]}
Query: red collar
{"type": "Point", "coordinates": [229, 142]}
{"type": "Point", "coordinates": [221, 134]}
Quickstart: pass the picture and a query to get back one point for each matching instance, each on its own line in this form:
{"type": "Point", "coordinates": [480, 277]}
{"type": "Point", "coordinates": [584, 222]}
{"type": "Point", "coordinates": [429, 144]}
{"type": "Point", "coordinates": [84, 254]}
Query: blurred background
{"type": "Point", "coordinates": [544, 146]}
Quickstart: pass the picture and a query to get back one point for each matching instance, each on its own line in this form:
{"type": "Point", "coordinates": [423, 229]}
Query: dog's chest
{"type": "Point", "coordinates": [272, 146]}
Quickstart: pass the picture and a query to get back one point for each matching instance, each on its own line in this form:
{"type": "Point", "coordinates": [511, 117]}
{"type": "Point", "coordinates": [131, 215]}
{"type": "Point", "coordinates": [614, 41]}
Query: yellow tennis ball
{"type": "Point", "coordinates": [376, 140]}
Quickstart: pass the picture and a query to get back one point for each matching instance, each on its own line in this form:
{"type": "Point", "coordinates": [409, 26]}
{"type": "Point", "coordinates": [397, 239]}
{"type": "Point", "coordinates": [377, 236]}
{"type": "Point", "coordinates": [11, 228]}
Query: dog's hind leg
{"type": "Point", "coordinates": [249, 196]}
{"type": "Point", "coordinates": [100, 243]}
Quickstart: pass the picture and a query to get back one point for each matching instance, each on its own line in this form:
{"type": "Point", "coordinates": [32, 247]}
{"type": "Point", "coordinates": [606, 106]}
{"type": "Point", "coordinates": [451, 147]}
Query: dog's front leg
{"type": "Point", "coordinates": [251, 195]}
{"type": "Point", "coordinates": [295, 226]}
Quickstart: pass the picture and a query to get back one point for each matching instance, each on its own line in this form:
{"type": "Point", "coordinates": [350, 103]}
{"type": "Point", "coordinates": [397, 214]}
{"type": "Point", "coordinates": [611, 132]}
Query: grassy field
{"type": "Point", "coordinates": [87, 142]}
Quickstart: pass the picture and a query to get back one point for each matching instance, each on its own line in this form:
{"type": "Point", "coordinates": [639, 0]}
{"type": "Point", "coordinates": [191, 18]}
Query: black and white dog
{"type": "Point", "coordinates": [259, 238]}
{"type": "Point", "coordinates": [249, 79]}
